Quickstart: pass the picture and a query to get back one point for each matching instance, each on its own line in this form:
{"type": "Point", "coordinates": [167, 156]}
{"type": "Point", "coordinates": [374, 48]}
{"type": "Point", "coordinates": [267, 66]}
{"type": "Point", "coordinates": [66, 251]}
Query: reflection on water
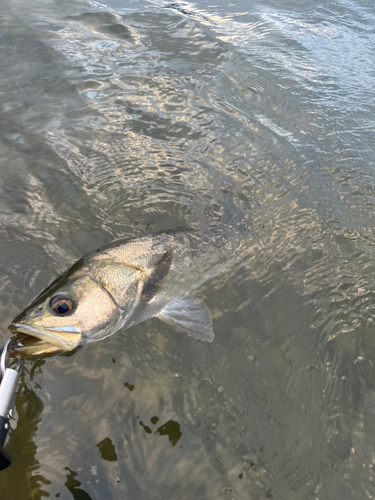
{"type": "Point", "coordinates": [73, 485]}
{"type": "Point", "coordinates": [172, 430]}
{"type": "Point", "coordinates": [107, 450]}
{"type": "Point", "coordinates": [22, 448]}
{"type": "Point", "coordinates": [119, 120]}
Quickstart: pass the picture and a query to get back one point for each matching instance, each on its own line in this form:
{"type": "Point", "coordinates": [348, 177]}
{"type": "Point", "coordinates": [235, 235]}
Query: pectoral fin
{"type": "Point", "coordinates": [189, 315]}
{"type": "Point", "coordinates": [158, 277]}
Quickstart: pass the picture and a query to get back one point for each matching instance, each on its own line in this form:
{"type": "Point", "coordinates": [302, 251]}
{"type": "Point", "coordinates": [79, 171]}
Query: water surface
{"type": "Point", "coordinates": [119, 119]}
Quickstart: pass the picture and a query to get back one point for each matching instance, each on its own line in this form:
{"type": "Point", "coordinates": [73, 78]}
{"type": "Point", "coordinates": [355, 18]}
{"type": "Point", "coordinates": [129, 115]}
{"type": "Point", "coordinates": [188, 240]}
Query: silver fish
{"type": "Point", "coordinates": [123, 284]}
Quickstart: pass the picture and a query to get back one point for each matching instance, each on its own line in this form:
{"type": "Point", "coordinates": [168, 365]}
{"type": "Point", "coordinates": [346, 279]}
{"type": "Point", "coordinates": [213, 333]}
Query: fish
{"type": "Point", "coordinates": [123, 284]}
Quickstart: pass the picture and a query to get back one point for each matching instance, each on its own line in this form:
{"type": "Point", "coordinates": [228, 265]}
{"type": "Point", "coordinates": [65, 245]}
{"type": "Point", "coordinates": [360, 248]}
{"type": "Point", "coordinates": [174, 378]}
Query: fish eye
{"type": "Point", "coordinates": [62, 305]}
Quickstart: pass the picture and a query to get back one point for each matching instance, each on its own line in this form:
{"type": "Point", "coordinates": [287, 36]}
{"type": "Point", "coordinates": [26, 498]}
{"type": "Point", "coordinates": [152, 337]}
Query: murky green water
{"type": "Point", "coordinates": [120, 118]}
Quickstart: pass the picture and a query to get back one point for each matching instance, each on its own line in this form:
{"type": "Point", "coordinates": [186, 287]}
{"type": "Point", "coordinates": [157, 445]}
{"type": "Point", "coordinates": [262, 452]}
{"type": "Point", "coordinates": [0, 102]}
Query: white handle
{"type": "Point", "coordinates": [8, 389]}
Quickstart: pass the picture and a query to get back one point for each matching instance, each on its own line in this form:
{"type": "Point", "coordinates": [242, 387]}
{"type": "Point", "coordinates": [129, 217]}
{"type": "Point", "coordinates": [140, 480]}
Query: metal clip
{"type": "Point", "coordinates": [4, 357]}
{"type": "Point", "coordinates": [8, 388]}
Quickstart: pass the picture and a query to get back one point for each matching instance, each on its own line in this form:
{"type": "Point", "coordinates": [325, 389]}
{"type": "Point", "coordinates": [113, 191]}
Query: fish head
{"type": "Point", "coordinates": [73, 310]}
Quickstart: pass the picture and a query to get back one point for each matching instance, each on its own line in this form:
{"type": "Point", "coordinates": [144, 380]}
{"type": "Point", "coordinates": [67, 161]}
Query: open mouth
{"type": "Point", "coordinates": [28, 346]}
{"type": "Point", "coordinates": [40, 341]}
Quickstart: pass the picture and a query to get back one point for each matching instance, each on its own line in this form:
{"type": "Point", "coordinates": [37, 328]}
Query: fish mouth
{"type": "Point", "coordinates": [37, 341]}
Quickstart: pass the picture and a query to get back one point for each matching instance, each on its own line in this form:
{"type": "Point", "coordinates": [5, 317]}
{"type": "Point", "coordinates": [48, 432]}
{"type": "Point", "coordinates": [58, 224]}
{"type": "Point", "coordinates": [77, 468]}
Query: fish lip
{"type": "Point", "coordinates": [65, 338]}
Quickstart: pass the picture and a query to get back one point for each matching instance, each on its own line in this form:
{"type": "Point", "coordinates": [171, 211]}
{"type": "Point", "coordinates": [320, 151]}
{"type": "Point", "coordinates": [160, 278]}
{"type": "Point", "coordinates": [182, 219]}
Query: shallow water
{"type": "Point", "coordinates": [122, 119]}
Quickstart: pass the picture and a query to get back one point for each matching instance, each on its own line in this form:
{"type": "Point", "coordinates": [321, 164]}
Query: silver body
{"type": "Point", "coordinates": [125, 283]}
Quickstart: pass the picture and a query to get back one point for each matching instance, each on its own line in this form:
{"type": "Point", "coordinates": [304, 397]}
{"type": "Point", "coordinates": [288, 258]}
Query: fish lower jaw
{"type": "Point", "coordinates": [58, 338]}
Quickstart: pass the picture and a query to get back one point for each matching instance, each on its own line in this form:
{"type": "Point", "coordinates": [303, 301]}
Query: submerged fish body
{"type": "Point", "coordinates": [123, 284]}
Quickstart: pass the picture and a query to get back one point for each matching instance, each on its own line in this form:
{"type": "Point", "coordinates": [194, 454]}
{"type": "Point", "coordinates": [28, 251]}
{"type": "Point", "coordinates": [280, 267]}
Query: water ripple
{"type": "Point", "coordinates": [120, 120]}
